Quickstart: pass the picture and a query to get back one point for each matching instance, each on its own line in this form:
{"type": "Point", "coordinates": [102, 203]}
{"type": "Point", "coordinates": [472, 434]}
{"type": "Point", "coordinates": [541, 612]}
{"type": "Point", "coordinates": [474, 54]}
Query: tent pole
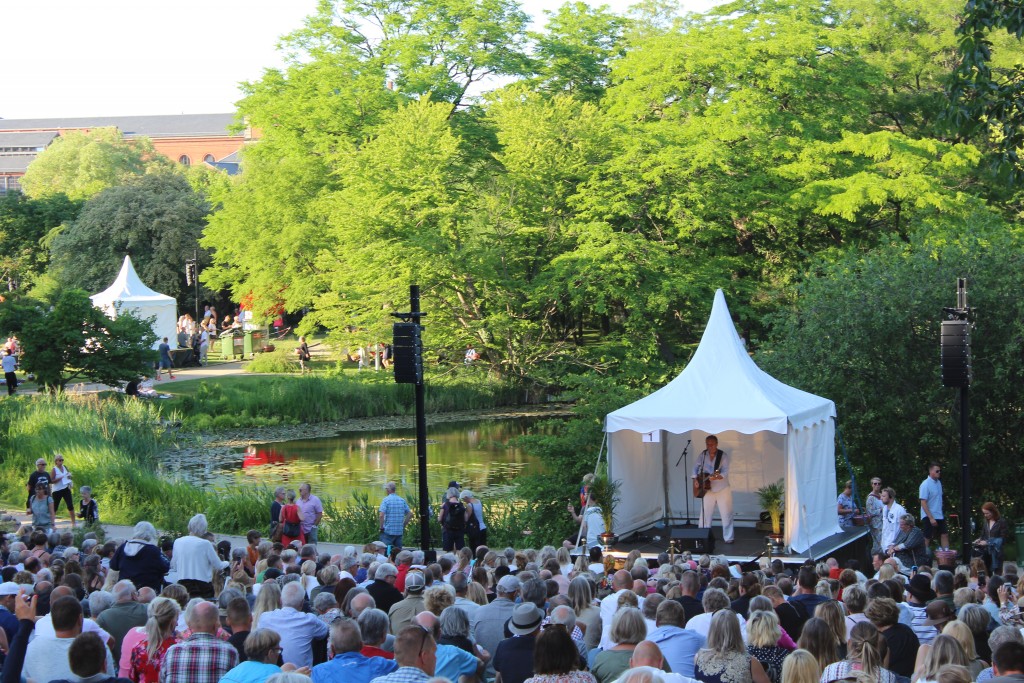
{"type": "Point", "coordinates": [600, 453]}
{"type": "Point", "coordinates": [664, 478]}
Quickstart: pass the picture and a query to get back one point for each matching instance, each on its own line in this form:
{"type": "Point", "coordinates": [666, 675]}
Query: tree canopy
{"type": "Point", "coordinates": [81, 164]}
{"type": "Point", "coordinates": [157, 219]}
{"type": "Point", "coordinates": [72, 340]}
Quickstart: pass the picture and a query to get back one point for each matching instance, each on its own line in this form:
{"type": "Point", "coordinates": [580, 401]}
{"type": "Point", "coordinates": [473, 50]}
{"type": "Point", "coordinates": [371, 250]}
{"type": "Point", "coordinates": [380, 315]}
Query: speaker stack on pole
{"type": "Point", "coordinates": [408, 363]}
{"type": "Point", "coordinates": [955, 358]}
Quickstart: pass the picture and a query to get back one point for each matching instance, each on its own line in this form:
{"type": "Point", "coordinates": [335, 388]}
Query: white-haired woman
{"type": "Point", "coordinates": [195, 560]}
{"type": "Point", "coordinates": [140, 560]}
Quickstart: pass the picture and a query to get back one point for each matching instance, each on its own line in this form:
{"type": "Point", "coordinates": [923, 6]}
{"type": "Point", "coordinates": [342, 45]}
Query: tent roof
{"type": "Point", "coordinates": [722, 389]}
{"type": "Point", "coordinates": [128, 288]}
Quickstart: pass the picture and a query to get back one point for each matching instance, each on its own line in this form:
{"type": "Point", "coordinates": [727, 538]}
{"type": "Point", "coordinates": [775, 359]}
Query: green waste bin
{"type": "Point", "coordinates": [1020, 543]}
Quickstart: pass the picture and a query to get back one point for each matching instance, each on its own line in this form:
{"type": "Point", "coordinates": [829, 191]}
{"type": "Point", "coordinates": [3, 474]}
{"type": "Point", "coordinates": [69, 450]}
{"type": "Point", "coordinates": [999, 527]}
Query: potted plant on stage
{"type": "Point", "coordinates": [772, 498]}
{"type": "Point", "coordinates": [605, 493]}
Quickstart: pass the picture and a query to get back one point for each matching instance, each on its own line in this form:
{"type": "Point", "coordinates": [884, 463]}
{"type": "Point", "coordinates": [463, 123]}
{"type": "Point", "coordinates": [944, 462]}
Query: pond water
{"type": "Point", "coordinates": [473, 453]}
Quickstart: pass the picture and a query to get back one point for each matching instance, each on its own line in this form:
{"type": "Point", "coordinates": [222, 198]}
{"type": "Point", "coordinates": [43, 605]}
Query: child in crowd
{"type": "Point", "coordinates": [88, 511]}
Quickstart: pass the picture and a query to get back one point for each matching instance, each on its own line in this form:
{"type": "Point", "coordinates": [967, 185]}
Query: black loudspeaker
{"type": "Point", "coordinates": [956, 353]}
{"type": "Point", "coordinates": [694, 540]}
{"type": "Point", "coordinates": [408, 353]}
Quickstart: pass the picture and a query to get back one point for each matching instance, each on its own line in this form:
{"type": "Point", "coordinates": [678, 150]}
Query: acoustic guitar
{"type": "Point", "coordinates": [701, 484]}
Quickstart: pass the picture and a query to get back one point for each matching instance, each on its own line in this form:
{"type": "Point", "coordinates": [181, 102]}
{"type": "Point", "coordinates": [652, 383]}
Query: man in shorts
{"type": "Point", "coordinates": [932, 519]}
{"type": "Point", "coordinates": [165, 359]}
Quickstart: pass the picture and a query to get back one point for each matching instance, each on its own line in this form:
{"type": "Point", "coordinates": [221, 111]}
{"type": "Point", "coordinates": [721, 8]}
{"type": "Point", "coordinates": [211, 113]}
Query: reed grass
{"type": "Point", "coordinates": [113, 444]}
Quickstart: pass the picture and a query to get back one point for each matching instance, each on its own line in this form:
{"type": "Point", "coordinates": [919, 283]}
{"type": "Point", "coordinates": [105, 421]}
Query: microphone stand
{"type": "Point", "coordinates": [686, 468]}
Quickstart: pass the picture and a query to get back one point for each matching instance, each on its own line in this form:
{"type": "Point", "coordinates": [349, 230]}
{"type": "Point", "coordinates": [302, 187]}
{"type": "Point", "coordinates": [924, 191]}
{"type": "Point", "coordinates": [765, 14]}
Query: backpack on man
{"type": "Point", "coordinates": [455, 518]}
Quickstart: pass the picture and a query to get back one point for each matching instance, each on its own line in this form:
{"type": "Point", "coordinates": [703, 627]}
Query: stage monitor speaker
{"type": "Point", "coordinates": [694, 540]}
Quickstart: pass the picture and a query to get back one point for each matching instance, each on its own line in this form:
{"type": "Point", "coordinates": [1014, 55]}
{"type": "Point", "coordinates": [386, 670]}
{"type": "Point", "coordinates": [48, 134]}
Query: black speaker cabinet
{"type": "Point", "coordinates": [956, 353]}
{"type": "Point", "coordinates": [694, 540]}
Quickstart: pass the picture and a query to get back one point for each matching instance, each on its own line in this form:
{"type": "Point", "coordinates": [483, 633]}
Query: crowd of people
{"type": "Point", "coordinates": [894, 531]}
{"type": "Point", "coordinates": [167, 610]}
{"type": "Point", "coordinates": [190, 609]}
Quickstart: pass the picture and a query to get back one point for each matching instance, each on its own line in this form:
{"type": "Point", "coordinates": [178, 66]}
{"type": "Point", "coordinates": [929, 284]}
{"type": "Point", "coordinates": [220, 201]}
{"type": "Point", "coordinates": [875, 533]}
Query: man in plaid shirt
{"type": "Point", "coordinates": [200, 658]}
{"type": "Point", "coordinates": [394, 514]}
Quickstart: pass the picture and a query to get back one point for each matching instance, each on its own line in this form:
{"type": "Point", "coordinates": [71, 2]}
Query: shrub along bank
{"type": "Point", "coordinates": [261, 401]}
{"type": "Point", "coordinates": [112, 445]}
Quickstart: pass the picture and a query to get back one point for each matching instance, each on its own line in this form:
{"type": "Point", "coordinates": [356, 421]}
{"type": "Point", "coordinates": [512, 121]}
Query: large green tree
{"type": "Point", "coordinates": [81, 164]}
{"type": "Point", "coordinates": [156, 219]}
{"type": "Point", "coordinates": [864, 331]}
{"type": "Point", "coordinates": [25, 225]}
{"type": "Point", "coordinates": [70, 340]}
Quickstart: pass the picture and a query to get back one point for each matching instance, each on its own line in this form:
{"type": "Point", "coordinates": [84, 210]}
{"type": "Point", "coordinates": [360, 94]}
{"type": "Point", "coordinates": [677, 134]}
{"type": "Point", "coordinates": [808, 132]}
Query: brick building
{"type": "Point", "coordinates": [185, 138]}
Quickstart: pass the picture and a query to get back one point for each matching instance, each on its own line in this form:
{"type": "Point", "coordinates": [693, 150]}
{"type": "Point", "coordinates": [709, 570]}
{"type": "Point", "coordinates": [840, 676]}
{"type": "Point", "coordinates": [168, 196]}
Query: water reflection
{"type": "Point", "coordinates": [472, 453]}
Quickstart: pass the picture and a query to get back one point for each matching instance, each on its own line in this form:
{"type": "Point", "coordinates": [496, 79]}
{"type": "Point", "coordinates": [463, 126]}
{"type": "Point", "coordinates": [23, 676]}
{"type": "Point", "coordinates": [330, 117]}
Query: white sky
{"type": "Point", "coordinates": [131, 57]}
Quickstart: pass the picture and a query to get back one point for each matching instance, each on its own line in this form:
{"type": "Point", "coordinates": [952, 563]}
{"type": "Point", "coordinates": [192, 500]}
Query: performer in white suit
{"type": "Point", "coordinates": [716, 463]}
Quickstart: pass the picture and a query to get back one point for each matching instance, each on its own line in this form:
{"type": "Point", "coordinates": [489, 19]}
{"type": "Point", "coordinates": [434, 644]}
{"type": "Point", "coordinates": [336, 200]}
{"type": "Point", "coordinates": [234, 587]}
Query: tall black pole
{"type": "Point", "coordinates": [195, 281]}
{"type": "Point", "coordinates": [421, 434]}
{"type": "Point", "coordinates": [965, 475]}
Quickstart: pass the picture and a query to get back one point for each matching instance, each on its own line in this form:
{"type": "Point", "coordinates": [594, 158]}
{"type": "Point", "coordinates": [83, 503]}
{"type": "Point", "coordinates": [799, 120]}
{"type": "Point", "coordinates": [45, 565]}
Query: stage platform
{"type": "Point", "coordinates": [750, 544]}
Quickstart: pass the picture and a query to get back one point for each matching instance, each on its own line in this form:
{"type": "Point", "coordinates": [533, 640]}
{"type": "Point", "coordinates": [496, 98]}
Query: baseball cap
{"type": "Point", "coordinates": [508, 584]}
{"type": "Point", "coordinates": [414, 582]}
{"type": "Point", "coordinates": [9, 588]}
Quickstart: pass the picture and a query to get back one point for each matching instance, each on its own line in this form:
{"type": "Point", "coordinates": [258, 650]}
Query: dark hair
{"type": "Point", "coordinates": [808, 578]}
{"type": "Point", "coordinates": [878, 590]}
{"type": "Point", "coordinates": [554, 652]}
{"type": "Point", "coordinates": [87, 654]}
{"type": "Point", "coordinates": [818, 639]}
{"type": "Point", "coordinates": [238, 611]}
{"type": "Point", "coordinates": [896, 590]}
{"type": "Point", "coordinates": [65, 613]}
{"type": "Point", "coordinates": [342, 588]}
{"type": "Point", "coordinates": [1009, 657]}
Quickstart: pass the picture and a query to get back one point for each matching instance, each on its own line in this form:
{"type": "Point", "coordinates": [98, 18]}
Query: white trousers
{"type": "Point", "coordinates": [723, 499]}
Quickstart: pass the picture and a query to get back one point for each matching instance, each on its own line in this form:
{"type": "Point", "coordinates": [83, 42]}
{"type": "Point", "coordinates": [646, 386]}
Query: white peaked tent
{"type": "Point", "coordinates": [771, 431]}
{"type": "Point", "coordinates": [127, 293]}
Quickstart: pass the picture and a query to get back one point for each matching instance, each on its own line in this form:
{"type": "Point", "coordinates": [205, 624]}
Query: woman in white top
{"type": "Point", "coordinates": [60, 480]}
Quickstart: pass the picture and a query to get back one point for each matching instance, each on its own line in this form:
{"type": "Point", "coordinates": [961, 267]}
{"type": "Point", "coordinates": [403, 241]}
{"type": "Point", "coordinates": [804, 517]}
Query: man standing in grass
{"type": "Point", "coordinates": [10, 363]}
{"type": "Point", "coordinates": [312, 511]}
{"type": "Point", "coordinates": [394, 514]}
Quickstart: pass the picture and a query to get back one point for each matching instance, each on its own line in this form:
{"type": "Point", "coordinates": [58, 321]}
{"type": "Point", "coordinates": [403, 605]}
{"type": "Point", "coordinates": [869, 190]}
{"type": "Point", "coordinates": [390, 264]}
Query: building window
{"type": "Point", "coordinates": [209, 159]}
{"type": "Point", "coordinates": [184, 160]}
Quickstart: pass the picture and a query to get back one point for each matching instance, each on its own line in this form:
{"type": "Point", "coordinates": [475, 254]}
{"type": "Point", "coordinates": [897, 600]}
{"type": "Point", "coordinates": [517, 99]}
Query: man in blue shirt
{"type": "Point", "coordinates": [348, 665]}
{"type": "Point", "coordinates": [394, 514]}
{"type": "Point", "coordinates": [932, 519]}
{"type": "Point", "coordinates": [677, 644]}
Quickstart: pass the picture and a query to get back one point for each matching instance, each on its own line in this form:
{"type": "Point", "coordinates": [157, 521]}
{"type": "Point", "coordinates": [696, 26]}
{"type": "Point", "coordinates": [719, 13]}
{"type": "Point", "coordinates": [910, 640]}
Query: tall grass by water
{"type": "Point", "coordinates": [112, 444]}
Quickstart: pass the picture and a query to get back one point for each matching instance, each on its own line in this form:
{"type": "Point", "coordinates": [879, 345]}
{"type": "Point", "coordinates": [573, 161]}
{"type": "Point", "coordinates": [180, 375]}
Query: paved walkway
{"type": "Point", "coordinates": [220, 369]}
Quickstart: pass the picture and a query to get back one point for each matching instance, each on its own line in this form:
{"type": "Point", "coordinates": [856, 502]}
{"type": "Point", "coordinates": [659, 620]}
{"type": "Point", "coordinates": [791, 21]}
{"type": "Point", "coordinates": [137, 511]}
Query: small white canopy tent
{"type": "Point", "coordinates": [127, 293]}
{"type": "Point", "coordinates": [771, 430]}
